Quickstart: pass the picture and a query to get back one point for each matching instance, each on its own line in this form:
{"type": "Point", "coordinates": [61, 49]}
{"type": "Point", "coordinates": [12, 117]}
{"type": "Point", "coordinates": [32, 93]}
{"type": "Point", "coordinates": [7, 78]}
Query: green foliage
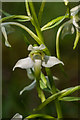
{"type": "Point", "coordinates": [53, 23]}
{"type": "Point", "coordinates": [58, 95]}
{"type": "Point", "coordinates": [41, 116]}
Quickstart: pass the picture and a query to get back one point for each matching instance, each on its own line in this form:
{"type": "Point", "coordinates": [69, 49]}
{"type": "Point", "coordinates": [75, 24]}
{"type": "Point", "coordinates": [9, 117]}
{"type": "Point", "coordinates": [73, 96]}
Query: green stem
{"type": "Point", "coordinates": [37, 27]}
{"type": "Point", "coordinates": [58, 107]}
{"type": "Point", "coordinates": [39, 33]}
{"type": "Point", "coordinates": [41, 11]}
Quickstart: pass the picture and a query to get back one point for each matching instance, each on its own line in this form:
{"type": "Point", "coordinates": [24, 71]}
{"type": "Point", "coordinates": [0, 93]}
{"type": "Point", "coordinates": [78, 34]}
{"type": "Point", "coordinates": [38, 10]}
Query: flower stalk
{"type": "Point", "coordinates": [39, 33]}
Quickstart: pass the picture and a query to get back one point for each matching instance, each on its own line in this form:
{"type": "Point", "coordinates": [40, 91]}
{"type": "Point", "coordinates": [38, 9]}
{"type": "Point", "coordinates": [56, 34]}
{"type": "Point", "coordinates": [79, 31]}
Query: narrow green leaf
{"type": "Point", "coordinates": [53, 23]}
{"type": "Point", "coordinates": [42, 116]}
{"type": "Point", "coordinates": [20, 20]}
{"type": "Point", "coordinates": [48, 100]}
{"type": "Point", "coordinates": [22, 17]}
{"type": "Point", "coordinates": [29, 87]}
{"type": "Point", "coordinates": [60, 94]}
{"type": "Point", "coordinates": [43, 78]}
{"type": "Point", "coordinates": [70, 91]}
{"type": "Point", "coordinates": [76, 39]}
{"type": "Point", "coordinates": [70, 99]}
{"type": "Point", "coordinates": [41, 11]}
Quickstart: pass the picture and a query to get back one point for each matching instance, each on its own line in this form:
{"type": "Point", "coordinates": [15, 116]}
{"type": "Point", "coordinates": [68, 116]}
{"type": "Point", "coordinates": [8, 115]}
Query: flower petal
{"type": "Point", "coordinates": [5, 36]}
{"type": "Point", "coordinates": [50, 61]}
{"type": "Point", "coordinates": [75, 10]}
{"type": "Point", "coordinates": [24, 63]}
{"type": "Point", "coordinates": [75, 23]}
{"type": "Point", "coordinates": [41, 47]}
{"type": "Point", "coordinates": [29, 87]}
{"type": "Point", "coordinates": [30, 47]}
{"type": "Point", "coordinates": [67, 29]}
{"type": "Point", "coordinates": [17, 116]}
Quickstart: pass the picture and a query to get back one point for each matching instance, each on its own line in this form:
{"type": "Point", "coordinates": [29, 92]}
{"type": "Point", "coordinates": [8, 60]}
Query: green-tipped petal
{"type": "Point", "coordinates": [50, 61]}
{"type": "Point", "coordinates": [29, 87]}
{"type": "Point", "coordinates": [75, 23]}
{"type": "Point", "coordinates": [5, 36]}
{"type": "Point", "coordinates": [24, 63]}
{"type": "Point", "coordinates": [75, 10]}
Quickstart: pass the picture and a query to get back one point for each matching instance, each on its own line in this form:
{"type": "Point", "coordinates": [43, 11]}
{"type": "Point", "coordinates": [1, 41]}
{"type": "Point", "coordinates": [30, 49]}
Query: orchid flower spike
{"type": "Point", "coordinates": [37, 55]}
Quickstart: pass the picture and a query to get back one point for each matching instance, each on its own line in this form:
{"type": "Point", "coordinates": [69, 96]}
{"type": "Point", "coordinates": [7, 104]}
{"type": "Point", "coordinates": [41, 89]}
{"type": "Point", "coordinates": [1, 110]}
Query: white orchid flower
{"type": "Point", "coordinates": [34, 61]}
{"type": "Point", "coordinates": [37, 55]}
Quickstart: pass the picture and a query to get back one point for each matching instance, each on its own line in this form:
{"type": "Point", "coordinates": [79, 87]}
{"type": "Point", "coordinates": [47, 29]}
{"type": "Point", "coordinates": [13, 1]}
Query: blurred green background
{"type": "Point", "coordinates": [14, 82]}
